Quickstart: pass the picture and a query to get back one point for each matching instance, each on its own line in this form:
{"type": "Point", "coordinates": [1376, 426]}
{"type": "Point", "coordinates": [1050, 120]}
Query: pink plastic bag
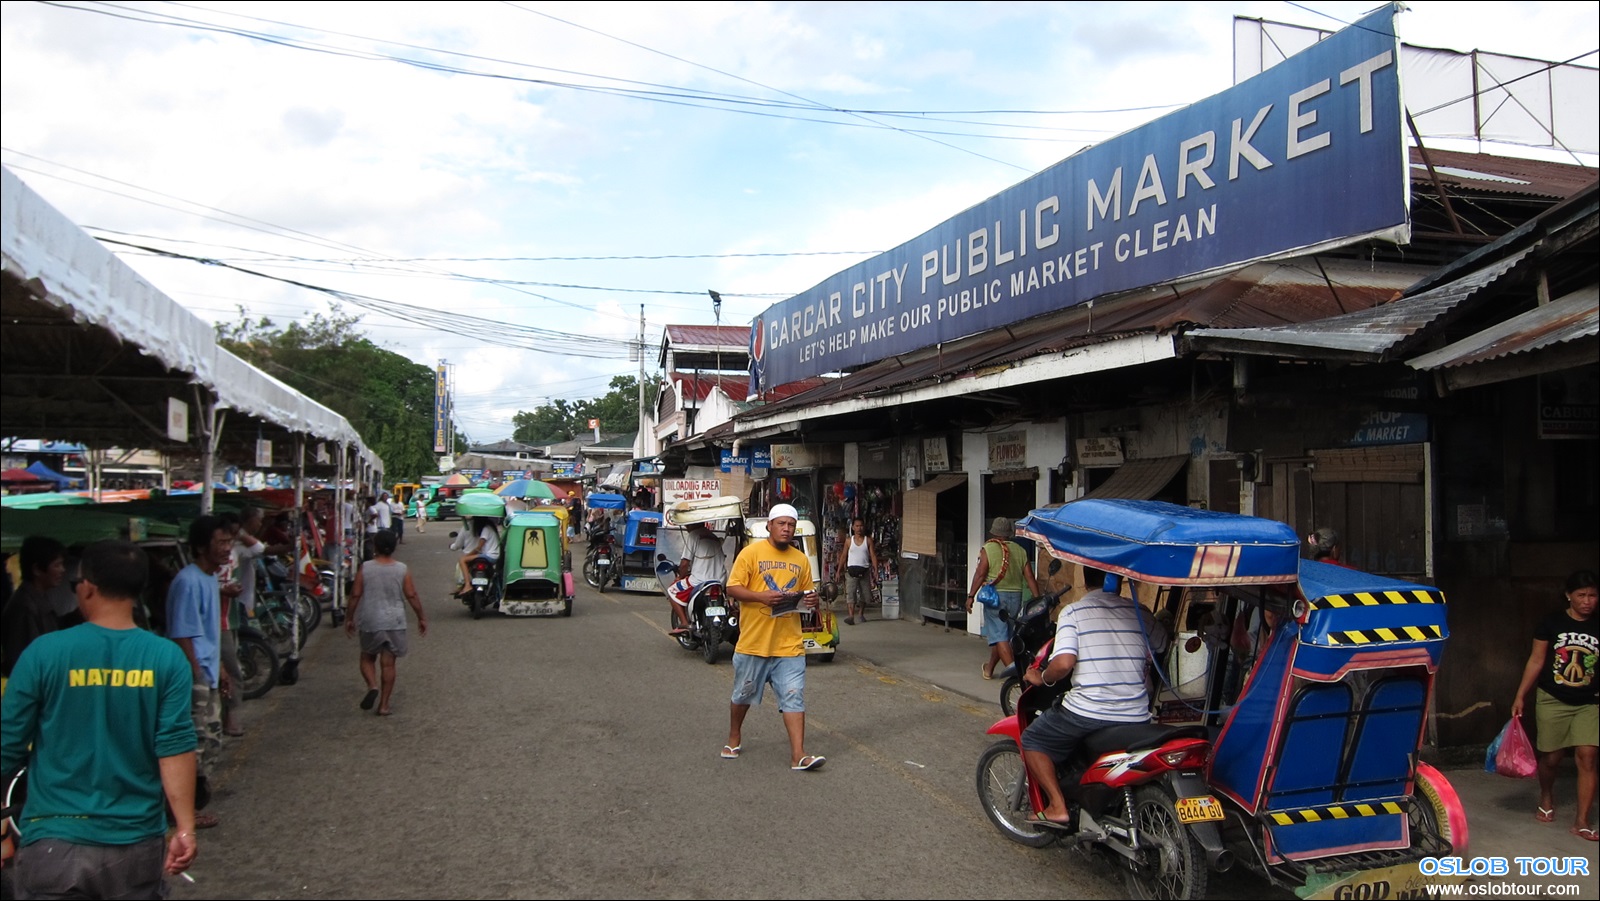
{"type": "Point", "coordinates": [1515, 757]}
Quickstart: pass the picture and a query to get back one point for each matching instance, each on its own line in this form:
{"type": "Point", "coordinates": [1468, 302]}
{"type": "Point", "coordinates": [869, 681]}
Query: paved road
{"type": "Point", "coordinates": [550, 757]}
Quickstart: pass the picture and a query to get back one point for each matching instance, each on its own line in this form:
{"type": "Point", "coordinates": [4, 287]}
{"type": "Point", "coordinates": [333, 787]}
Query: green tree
{"type": "Point", "coordinates": [562, 420]}
{"type": "Point", "coordinates": [386, 397]}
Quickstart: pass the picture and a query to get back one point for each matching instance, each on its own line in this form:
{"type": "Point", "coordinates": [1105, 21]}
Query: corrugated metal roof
{"type": "Point", "coordinates": [1571, 318]}
{"type": "Point", "coordinates": [1264, 294]}
{"type": "Point", "coordinates": [1481, 173]}
{"type": "Point", "coordinates": [699, 386]}
{"type": "Point", "coordinates": [1374, 332]}
{"type": "Point", "coordinates": [733, 337]}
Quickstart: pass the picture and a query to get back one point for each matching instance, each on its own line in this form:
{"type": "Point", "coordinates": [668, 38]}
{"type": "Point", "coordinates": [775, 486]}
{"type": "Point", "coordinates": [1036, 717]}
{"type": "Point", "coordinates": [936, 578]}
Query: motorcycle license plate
{"type": "Point", "coordinates": [602, 561]}
{"type": "Point", "coordinates": [716, 611]}
{"type": "Point", "coordinates": [1199, 810]}
{"type": "Point", "coordinates": [480, 581]}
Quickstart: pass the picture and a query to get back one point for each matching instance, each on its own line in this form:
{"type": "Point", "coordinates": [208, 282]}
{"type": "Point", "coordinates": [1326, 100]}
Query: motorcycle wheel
{"type": "Point", "coordinates": [1436, 810]}
{"type": "Point", "coordinates": [310, 612]}
{"type": "Point", "coordinates": [604, 575]}
{"type": "Point", "coordinates": [591, 573]}
{"type": "Point", "coordinates": [259, 665]}
{"type": "Point", "coordinates": [711, 647]}
{"type": "Point", "coordinates": [1172, 863]}
{"type": "Point", "coordinates": [477, 604]}
{"type": "Point", "coordinates": [1003, 791]}
{"type": "Point", "coordinates": [1010, 690]}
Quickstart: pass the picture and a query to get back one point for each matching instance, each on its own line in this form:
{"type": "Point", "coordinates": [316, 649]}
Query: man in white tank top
{"type": "Point", "coordinates": [858, 562]}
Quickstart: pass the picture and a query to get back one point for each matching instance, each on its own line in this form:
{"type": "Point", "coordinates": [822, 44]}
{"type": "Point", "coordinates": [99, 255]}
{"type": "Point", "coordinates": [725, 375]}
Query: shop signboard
{"type": "Point", "coordinates": [758, 457]}
{"type": "Point", "coordinates": [177, 420]}
{"type": "Point", "coordinates": [675, 490]}
{"type": "Point", "coordinates": [935, 455]}
{"type": "Point", "coordinates": [1197, 191]}
{"type": "Point", "coordinates": [1007, 450]}
{"type": "Point", "coordinates": [565, 469]}
{"type": "Point", "coordinates": [1099, 451]}
{"type": "Point", "coordinates": [441, 410]}
{"type": "Point", "coordinates": [1380, 428]}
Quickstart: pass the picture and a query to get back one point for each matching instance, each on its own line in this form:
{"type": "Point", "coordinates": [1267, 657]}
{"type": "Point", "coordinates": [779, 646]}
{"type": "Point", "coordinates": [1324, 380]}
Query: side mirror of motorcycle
{"type": "Point", "coordinates": [1055, 567]}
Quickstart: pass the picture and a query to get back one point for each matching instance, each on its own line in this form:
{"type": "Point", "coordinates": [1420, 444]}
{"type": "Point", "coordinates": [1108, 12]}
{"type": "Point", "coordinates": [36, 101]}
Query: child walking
{"type": "Point", "coordinates": [378, 610]}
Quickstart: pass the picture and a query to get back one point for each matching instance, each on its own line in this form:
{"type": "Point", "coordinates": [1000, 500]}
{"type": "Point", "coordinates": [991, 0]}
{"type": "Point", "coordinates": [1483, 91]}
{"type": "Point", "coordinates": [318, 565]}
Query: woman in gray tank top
{"type": "Point", "coordinates": [378, 603]}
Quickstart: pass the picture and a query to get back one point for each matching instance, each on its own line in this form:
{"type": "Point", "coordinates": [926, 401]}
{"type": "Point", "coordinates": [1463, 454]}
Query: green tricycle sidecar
{"type": "Point", "coordinates": [536, 566]}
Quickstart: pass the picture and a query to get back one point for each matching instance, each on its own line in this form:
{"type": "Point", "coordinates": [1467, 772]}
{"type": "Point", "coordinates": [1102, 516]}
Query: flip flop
{"type": "Point", "coordinates": [985, 672]}
{"type": "Point", "coordinates": [206, 821]}
{"type": "Point", "coordinates": [385, 713]}
{"type": "Point", "coordinates": [1587, 833]}
{"type": "Point", "coordinates": [1039, 819]}
{"type": "Point", "coordinates": [731, 752]}
{"type": "Point", "coordinates": [809, 762]}
{"type": "Point", "coordinates": [1545, 814]}
{"type": "Point", "coordinates": [369, 699]}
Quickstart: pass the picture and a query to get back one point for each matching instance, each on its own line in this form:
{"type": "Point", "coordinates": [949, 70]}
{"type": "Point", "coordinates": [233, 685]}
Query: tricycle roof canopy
{"type": "Point", "coordinates": [481, 504]}
{"type": "Point", "coordinates": [606, 502]}
{"type": "Point", "coordinates": [1166, 544]}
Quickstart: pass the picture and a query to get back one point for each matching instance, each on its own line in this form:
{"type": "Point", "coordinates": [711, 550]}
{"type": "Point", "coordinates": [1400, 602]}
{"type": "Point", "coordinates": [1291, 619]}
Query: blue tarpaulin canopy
{"type": "Point", "coordinates": [606, 502]}
{"type": "Point", "coordinates": [50, 475]}
{"type": "Point", "coordinates": [1166, 544]}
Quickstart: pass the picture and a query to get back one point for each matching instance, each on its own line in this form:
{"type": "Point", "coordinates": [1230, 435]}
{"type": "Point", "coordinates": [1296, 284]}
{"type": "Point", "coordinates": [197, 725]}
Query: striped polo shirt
{"type": "Point", "coordinates": [1108, 681]}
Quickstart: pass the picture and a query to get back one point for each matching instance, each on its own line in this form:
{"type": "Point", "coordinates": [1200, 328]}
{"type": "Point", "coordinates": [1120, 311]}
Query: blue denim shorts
{"type": "Point", "coordinates": [787, 675]}
{"type": "Point", "coordinates": [996, 630]}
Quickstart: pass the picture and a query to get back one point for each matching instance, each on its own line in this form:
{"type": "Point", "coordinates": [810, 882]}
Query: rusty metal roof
{"type": "Point", "coordinates": [1571, 318]}
{"type": "Point", "coordinates": [728, 337]}
{"type": "Point", "coordinates": [1260, 295]}
{"type": "Point", "coordinates": [1482, 173]}
{"type": "Point", "coordinates": [1373, 334]}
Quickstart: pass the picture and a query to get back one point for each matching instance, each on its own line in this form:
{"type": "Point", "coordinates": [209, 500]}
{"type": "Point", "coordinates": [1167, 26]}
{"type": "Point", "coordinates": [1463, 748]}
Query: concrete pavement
{"type": "Point", "coordinates": [1499, 810]}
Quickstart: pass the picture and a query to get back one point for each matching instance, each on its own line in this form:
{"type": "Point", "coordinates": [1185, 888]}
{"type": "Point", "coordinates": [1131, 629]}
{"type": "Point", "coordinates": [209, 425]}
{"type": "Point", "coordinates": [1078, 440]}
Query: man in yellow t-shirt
{"type": "Point", "coordinates": [765, 575]}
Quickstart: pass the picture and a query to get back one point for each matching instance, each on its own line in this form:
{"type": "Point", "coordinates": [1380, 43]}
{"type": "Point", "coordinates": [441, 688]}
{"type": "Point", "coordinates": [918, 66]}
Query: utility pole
{"type": "Point", "coordinates": [641, 442]}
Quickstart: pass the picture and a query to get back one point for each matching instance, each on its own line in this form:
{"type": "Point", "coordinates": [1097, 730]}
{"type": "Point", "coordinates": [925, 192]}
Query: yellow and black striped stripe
{"type": "Point", "coordinates": [1349, 637]}
{"type": "Point", "coordinates": [1337, 812]}
{"type": "Point", "coordinates": [1375, 599]}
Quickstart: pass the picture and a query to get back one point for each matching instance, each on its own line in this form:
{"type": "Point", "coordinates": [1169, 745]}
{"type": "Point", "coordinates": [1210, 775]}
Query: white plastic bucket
{"type": "Point", "coordinates": [891, 607]}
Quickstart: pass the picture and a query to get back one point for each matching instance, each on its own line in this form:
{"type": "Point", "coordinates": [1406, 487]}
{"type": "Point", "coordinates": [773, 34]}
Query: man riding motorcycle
{"type": "Point", "coordinates": [703, 561]}
{"type": "Point", "coordinates": [1102, 642]}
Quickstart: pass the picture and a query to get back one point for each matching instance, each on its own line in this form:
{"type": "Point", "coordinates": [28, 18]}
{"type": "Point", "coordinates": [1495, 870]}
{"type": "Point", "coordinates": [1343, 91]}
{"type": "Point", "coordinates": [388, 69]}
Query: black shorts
{"type": "Point", "coordinates": [51, 868]}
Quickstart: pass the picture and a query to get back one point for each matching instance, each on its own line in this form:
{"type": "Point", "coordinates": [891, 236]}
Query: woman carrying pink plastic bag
{"type": "Point", "coordinates": [1563, 664]}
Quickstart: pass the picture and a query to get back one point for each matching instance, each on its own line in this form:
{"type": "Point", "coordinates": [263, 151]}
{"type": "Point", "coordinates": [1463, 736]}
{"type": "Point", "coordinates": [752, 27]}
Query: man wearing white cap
{"type": "Point", "coordinates": [765, 575]}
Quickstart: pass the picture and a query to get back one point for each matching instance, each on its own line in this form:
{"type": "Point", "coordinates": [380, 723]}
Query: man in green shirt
{"type": "Point", "coordinates": [99, 713]}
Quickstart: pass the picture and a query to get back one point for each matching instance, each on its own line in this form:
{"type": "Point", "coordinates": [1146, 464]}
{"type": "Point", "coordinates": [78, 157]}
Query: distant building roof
{"type": "Point", "coordinates": [708, 337]}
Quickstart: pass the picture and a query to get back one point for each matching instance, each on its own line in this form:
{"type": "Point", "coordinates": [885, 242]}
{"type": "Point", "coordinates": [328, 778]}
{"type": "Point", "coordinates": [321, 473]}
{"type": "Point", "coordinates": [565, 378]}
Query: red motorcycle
{"type": "Point", "coordinates": [1136, 792]}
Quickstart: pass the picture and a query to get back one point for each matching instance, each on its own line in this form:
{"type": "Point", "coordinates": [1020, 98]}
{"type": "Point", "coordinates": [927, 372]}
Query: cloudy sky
{"type": "Point", "coordinates": [554, 167]}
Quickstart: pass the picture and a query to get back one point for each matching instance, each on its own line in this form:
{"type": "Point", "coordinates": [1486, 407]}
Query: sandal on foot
{"type": "Point", "coordinates": [1587, 833]}
{"type": "Point", "coordinates": [731, 752]}
{"type": "Point", "coordinates": [809, 762]}
{"type": "Point", "coordinates": [206, 821]}
{"type": "Point", "coordinates": [1544, 814]}
{"type": "Point", "coordinates": [1039, 819]}
{"type": "Point", "coordinates": [986, 672]}
{"type": "Point", "coordinates": [370, 698]}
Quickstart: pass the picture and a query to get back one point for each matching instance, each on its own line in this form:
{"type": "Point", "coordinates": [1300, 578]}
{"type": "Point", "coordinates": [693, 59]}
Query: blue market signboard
{"type": "Point", "coordinates": [1306, 155]}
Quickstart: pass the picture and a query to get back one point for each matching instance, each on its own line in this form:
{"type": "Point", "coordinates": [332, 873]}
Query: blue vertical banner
{"type": "Point", "coordinates": [441, 410]}
{"type": "Point", "coordinates": [1305, 156]}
